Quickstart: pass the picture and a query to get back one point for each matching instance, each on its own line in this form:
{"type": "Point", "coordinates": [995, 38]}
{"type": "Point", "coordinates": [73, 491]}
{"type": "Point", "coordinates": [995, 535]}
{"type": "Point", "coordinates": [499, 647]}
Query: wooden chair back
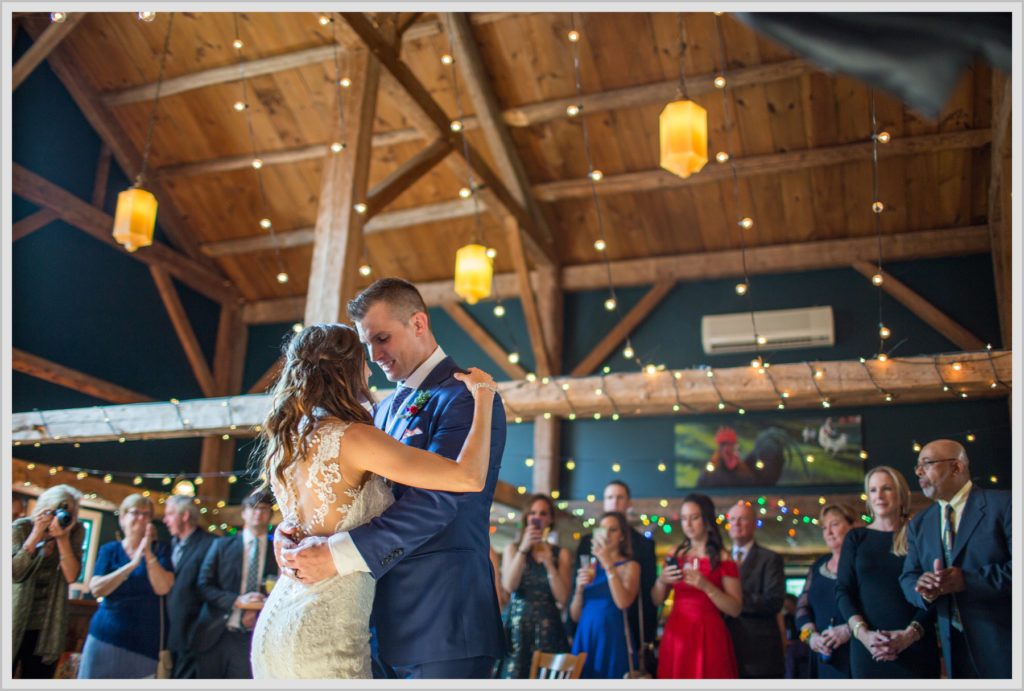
{"type": "Point", "coordinates": [556, 665]}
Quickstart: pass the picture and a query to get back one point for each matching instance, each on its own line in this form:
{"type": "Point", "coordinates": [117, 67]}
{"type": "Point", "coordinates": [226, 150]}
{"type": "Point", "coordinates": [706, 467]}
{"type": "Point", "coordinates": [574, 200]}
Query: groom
{"type": "Point", "coordinates": [435, 611]}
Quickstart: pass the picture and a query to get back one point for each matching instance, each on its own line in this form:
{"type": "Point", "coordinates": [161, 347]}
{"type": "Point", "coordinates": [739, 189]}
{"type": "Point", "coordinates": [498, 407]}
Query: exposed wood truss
{"type": "Point", "coordinates": [845, 382]}
{"type": "Point", "coordinates": [1000, 216]}
{"type": "Point", "coordinates": [44, 44]}
{"type": "Point", "coordinates": [183, 328]}
{"type": "Point", "coordinates": [32, 223]}
{"type": "Point", "coordinates": [479, 334]}
{"type": "Point", "coordinates": [41, 368]}
{"type": "Point", "coordinates": [772, 259]}
{"type": "Point", "coordinates": [925, 311]}
{"type": "Point", "coordinates": [99, 225]}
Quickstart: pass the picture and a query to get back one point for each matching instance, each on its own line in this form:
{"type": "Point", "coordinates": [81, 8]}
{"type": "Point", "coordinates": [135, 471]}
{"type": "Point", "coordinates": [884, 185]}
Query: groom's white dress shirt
{"type": "Point", "coordinates": [347, 558]}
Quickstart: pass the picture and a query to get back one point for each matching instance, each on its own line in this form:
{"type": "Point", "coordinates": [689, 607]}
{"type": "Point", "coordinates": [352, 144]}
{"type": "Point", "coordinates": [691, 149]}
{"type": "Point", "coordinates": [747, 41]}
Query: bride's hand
{"type": "Point", "coordinates": [286, 536]}
{"type": "Point", "coordinates": [473, 376]}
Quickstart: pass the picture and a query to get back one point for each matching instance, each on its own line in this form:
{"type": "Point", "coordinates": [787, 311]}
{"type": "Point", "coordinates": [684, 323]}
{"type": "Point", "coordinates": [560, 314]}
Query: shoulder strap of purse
{"type": "Point", "coordinates": [640, 612]}
{"type": "Point", "coordinates": [629, 641]}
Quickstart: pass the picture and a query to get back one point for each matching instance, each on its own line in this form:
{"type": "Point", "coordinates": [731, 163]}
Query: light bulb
{"type": "Point", "coordinates": [597, 416]}
{"type": "Point", "coordinates": [456, 125]}
{"type": "Point", "coordinates": [600, 245]}
{"type": "Point", "coordinates": [257, 163]}
{"type": "Point", "coordinates": [572, 416]}
{"type": "Point", "coordinates": [297, 327]}
{"type": "Point", "coordinates": [447, 59]}
{"type": "Point", "coordinates": [746, 223]}
{"type": "Point", "coordinates": [741, 411]}
{"type": "Point", "coordinates": [762, 340]}
{"type": "Point", "coordinates": [722, 156]}
{"type": "Point", "coordinates": [883, 137]}
{"type": "Point", "coordinates": [465, 192]}
{"type": "Point", "coordinates": [573, 36]}
{"type": "Point", "coordinates": [957, 366]}
{"type": "Point", "coordinates": [265, 223]}
{"type": "Point", "coordinates": [971, 437]}
{"type": "Point", "coordinates": [615, 416]}
{"type": "Point", "coordinates": [324, 20]}
{"type": "Point", "coordinates": [609, 304]}
{"type": "Point", "coordinates": [337, 147]}
{"type": "Point", "coordinates": [818, 374]}
{"type": "Point", "coordinates": [741, 288]}
{"type": "Point", "coordinates": [721, 405]}
{"type": "Point", "coordinates": [878, 207]}
{"type": "Point", "coordinates": [596, 175]}
{"type": "Point", "coordinates": [675, 407]}
{"type": "Point", "coordinates": [530, 376]}
{"type": "Point", "coordinates": [628, 353]}
{"type": "Point", "coordinates": [491, 253]}
{"type": "Point", "coordinates": [825, 403]}
{"type": "Point", "coordinates": [147, 16]}
{"type": "Point", "coordinates": [884, 332]}
{"type": "Point", "coordinates": [365, 270]}
{"type": "Point", "coordinates": [882, 357]}
{"type": "Point", "coordinates": [877, 279]}
{"type": "Point", "coordinates": [888, 398]}
{"type": "Point", "coordinates": [499, 310]}
{"type": "Point", "coordinates": [963, 394]}
{"type": "Point", "coordinates": [513, 357]}
{"type": "Point", "coordinates": [650, 369]}
{"type": "Point", "coordinates": [344, 82]}
{"type": "Point", "coordinates": [237, 44]}
{"type": "Point", "coordinates": [573, 109]}
{"type": "Point", "coordinates": [58, 17]}
{"type": "Point", "coordinates": [360, 207]}
{"type": "Point", "coordinates": [282, 277]}
{"type": "Point", "coordinates": [239, 106]}
{"type": "Point", "coordinates": [756, 363]}
{"type": "Point", "coordinates": [781, 406]}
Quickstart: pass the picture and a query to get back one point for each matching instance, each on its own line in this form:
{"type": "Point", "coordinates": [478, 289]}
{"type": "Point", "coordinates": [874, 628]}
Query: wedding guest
{"type": "Point", "coordinates": [755, 632]}
{"type": "Point", "coordinates": [129, 579]}
{"type": "Point", "coordinates": [47, 557]}
{"type": "Point", "coordinates": [959, 558]}
{"type": "Point", "coordinates": [817, 615]}
{"type": "Point", "coordinates": [189, 544]}
{"type": "Point", "coordinates": [603, 591]}
{"type": "Point", "coordinates": [19, 506]}
{"type": "Point", "coordinates": [705, 581]}
{"type": "Point", "coordinates": [894, 639]}
{"type": "Point", "coordinates": [230, 581]}
{"type": "Point", "coordinates": [538, 576]}
{"type": "Point", "coordinates": [796, 655]}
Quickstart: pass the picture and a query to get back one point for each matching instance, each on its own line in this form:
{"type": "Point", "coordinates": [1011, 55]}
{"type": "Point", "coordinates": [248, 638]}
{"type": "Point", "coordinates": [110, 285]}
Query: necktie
{"type": "Point", "coordinates": [948, 536]}
{"type": "Point", "coordinates": [738, 556]}
{"type": "Point", "coordinates": [401, 393]}
{"type": "Point", "coordinates": [179, 547]}
{"type": "Point", "coordinates": [252, 573]}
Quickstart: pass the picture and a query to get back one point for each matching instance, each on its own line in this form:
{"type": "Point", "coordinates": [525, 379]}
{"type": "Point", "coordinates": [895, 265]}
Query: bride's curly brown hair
{"type": "Point", "coordinates": [323, 375]}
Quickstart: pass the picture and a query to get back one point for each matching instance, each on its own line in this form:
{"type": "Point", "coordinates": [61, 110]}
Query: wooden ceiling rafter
{"type": "Point", "coordinates": [403, 177]}
{"type": "Point", "coordinates": [183, 328]}
{"type": "Point", "coordinates": [98, 224]}
{"type": "Point", "coordinates": [31, 223]}
{"type": "Point", "coordinates": [73, 379]}
{"type": "Point", "coordinates": [771, 259]}
{"type": "Point", "coordinates": [44, 44]}
{"type": "Point", "coordinates": [102, 175]}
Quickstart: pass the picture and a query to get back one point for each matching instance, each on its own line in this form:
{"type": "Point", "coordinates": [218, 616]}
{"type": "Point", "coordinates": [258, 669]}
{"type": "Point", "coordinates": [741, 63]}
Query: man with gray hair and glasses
{"type": "Point", "coordinates": [959, 559]}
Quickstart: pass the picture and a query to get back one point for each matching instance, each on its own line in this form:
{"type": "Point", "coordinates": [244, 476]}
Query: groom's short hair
{"type": "Point", "coordinates": [401, 296]}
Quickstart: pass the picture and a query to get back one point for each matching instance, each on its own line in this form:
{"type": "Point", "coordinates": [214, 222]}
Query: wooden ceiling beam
{"type": "Point", "coordinates": [403, 177]}
{"type": "Point", "coordinates": [514, 240]}
{"type": "Point", "coordinates": [430, 119]}
{"type": "Point", "coordinates": [651, 299]}
{"type": "Point", "coordinates": [767, 164]}
{"type": "Point", "coordinates": [99, 181]}
{"type": "Point", "coordinates": [479, 335]}
{"type": "Point", "coordinates": [183, 328]}
{"type": "Point", "coordinates": [44, 369]}
{"type": "Point", "coordinates": [922, 309]}
{"type": "Point", "coordinates": [845, 382]}
{"type": "Point", "coordinates": [99, 225]}
{"type": "Point", "coordinates": [700, 266]}
{"type": "Point", "coordinates": [44, 44]}
{"type": "Point", "coordinates": [31, 223]}
{"type": "Point", "coordinates": [174, 225]}
{"type": "Point", "coordinates": [1000, 217]}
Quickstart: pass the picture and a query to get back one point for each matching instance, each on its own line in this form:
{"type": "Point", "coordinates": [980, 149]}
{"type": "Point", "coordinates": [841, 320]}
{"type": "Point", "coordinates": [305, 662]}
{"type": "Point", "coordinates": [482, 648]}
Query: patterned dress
{"type": "Point", "coordinates": [533, 621]}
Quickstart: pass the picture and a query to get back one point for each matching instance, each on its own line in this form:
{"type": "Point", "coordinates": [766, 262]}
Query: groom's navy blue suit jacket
{"type": "Point", "coordinates": [429, 552]}
{"type": "Point", "coordinates": [983, 548]}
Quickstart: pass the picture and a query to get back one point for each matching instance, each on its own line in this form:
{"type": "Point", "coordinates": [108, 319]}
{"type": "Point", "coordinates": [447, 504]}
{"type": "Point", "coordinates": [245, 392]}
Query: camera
{"type": "Point", "coordinates": [63, 515]}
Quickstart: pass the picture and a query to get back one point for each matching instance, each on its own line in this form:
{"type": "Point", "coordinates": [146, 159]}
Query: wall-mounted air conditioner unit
{"type": "Point", "coordinates": [807, 327]}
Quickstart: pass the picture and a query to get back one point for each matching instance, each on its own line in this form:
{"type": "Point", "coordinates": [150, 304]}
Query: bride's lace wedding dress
{"type": "Point", "coordinates": [320, 631]}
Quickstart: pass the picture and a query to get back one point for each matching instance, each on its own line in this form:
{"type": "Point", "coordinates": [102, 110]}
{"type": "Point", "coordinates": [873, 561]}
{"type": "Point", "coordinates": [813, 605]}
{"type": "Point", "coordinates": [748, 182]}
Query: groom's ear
{"type": "Point", "coordinates": [421, 323]}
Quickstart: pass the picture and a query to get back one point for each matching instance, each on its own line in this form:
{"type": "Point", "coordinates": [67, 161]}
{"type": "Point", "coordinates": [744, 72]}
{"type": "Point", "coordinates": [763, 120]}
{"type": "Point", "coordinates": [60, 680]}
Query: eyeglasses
{"type": "Point", "coordinates": [133, 513]}
{"type": "Point", "coordinates": [926, 464]}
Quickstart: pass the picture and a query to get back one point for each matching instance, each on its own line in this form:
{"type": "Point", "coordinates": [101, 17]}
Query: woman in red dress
{"type": "Point", "coordinates": [706, 583]}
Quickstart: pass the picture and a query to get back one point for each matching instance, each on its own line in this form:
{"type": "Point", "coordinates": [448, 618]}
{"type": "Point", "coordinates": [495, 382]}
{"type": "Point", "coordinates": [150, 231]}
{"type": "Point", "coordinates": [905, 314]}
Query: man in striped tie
{"type": "Point", "coordinates": [959, 560]}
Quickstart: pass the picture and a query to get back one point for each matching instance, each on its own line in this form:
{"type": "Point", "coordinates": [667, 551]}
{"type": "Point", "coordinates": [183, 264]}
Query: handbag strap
{"type": "Point", "coordinates": [640, 613]}
{"type": "Point", "coordinates": [162, 646]}
{"type": "Point", "coordinates": [629, 641]}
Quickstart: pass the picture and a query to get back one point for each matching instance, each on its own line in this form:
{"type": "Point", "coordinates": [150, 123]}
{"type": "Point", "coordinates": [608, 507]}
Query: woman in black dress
{"type": "Point", "coordinates": [817, 615]}
{"type": "Point", "coordinates": [538, 575]}
{"type": "Point", "coordinates": [895, 640]}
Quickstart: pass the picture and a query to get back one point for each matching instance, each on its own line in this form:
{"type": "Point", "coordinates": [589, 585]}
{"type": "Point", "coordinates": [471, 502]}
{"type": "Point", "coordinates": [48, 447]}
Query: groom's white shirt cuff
{"type": "Point", "coordinates": [346, 556]}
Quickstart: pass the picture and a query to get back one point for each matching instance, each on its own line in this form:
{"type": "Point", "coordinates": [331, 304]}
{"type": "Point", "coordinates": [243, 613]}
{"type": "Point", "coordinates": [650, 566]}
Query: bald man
{"type": "Point", "coordinates": [755, 633]}
{"type": "Point", "coordinates": [959, 561]}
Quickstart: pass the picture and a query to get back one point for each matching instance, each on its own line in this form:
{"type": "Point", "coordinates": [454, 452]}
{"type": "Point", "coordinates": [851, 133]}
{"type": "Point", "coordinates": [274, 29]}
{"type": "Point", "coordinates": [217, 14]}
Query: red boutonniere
{"type": "Point", "coordinates": [417, 405]}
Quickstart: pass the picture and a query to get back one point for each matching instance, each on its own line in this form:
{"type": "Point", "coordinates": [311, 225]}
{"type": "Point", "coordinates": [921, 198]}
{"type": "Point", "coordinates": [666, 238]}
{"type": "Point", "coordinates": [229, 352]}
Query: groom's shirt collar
{"type": "Point", "coordinates": [420, 374]}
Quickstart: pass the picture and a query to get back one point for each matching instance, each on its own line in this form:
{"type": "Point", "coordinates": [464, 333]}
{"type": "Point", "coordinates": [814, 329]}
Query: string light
{"type": "Point", "coordinates": [147, 17]}
{"type": "Point", "coordinates": [282, 277]}
{"type": "Point", "coordinates": [741, 288]}
{"type": "Point", "coordinates": [324, 20]}
{"type": "Point", "coordinates": [600, 245]}
{"type": "Point", "coordinates": [58, 17]}
{"type": "Point", "coordinates": [237, 44]}
{"type": "Point", "coordinates": [573, 109]}
{"type": "Point", "coordinates": [719, 82]}
{"type": "Point", "coordinates": [513, 357]}
{"type": "Point", "coordinates": [337, 147]}
{"type": "Point", "coordinates": [610, 304]}
{"type": "Point", "coordinates": [746, 223]}
{"type": "Point", "coordinates": [447, 59]}
{"type": "Point", "coordinates": [344, 82]}
{"type": "Point", "coordinates": [573, 36]}
{"type": "Point", "coordinates": [499, 310]}
{"type": "Point", "coordinates": [456, 125]}
{"type": "Point", "coordinates": [722, 156]}
{"type": "Point", "coordinates": [239, 106]}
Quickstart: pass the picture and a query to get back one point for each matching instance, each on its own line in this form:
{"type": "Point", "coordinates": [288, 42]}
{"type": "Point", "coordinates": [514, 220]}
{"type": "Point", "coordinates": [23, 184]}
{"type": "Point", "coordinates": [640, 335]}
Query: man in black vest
{"type": "Point", "coordinates": [189, 545]}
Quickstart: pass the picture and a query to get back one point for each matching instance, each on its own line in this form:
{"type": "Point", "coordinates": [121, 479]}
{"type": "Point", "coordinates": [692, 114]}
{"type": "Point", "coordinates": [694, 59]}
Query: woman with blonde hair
{"type": "Point", "coordinates": [47, 557]}
{"type": "Point", "coordinates": [130, 577]}
{"type": "Point", "coordinates": [895, 639]}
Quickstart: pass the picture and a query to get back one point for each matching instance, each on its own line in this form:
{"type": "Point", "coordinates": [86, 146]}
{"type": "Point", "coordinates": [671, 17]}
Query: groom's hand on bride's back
{"type": "Point", "coordinates": [310, 561]}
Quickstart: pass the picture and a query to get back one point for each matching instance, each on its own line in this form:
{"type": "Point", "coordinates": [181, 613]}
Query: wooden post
{"type": "Point", "coordinates": [338, 233]}
{"type": "Point", "coordinates": [547, 434]}
{"type": "Point", "coordinates": [1000, 215]}
{"type": "Point", "coordinates": [218, 454]}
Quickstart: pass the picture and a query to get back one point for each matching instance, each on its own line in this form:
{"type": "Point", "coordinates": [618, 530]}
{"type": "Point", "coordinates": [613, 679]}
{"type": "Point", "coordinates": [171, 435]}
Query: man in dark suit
{"type": "Point", "coordinates": [755, 633]}
{"type": "Point", "coordinates": [435, 612]}
{"type": "Point", "coordinates": [230, 581]}
{"type": "Point", "coordinates": [189, 545]}
{"type": "Point", "coordinates": [617, 497]}
{"type": "Point", "coordinates": [959, 560]}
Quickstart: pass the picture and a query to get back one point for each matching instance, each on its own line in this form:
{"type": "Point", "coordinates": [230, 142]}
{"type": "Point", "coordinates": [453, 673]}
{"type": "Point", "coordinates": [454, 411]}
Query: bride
{"type": "Point", "coordinates": [327, 464]}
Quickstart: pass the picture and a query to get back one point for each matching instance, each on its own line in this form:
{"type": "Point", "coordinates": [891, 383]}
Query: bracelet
{"type": "Point", "coordinates": [916, 626]}
{"type": "Point", "coordinates": [493, 388]}
{"type": "Point", "coordinates": [857, 627]}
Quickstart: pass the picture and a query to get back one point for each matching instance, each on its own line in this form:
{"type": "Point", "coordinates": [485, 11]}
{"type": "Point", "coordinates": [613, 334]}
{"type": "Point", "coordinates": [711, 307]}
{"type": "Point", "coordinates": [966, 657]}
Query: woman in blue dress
{"type": "Point", "coordinates": [603, 591]}
{"type": "Point", "coordinates": [130, 576]}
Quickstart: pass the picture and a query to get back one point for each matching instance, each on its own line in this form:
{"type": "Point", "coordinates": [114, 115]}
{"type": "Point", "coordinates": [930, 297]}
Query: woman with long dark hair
{"type": "Point", "coordinates": [327, 465]}
{"type": "Point", "coordinates": [895, 639]}
{"type": "Point", "coordinates": [706, 585]}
